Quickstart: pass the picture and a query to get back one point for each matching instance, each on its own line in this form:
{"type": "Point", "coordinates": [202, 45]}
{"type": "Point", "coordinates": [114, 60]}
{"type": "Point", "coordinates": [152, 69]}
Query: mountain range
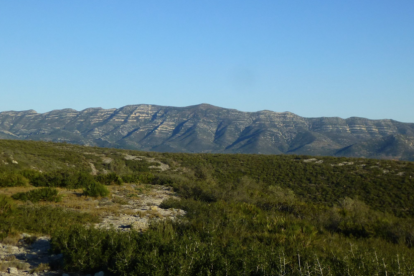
{"type": "Point", "coordinates": [207, 128]}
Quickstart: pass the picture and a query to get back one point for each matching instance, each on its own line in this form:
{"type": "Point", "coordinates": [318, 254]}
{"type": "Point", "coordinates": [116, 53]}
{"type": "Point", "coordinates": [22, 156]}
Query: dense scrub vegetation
{"type": "Point", "coordinates": [37, 219]}
{"type": "Point", "coordinates": [43, 194]}
{"type": "Point", "coordinates": [95, 189]}
{"type": "Point", "coordinates": [382, 184]}
{"type": "Point", "coordinates": [240, 235]}
{"type": "Point", "coordinates": [246, 214]}
{"type": "Point", "coordinates": [234, 240]}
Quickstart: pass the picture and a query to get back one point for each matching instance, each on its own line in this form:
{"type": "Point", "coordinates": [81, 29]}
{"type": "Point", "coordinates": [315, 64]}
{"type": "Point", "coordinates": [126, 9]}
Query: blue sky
{"type": "Point", "coordinates": [313, 58]}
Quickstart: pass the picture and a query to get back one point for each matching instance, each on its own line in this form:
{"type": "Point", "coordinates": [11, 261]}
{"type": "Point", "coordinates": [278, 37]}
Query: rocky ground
{"type": "Point", "coordinates": [138, 211]}
{"type": "Point", "coordinates": [27, 258]}
{"type": "Point", "coordinates": [130, 206]}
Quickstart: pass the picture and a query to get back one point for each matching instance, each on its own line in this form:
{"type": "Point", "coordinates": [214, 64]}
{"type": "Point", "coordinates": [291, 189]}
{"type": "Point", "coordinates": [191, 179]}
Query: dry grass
{"type": "Point", "coordinates": [153, 213]}
{"type": "Point", "coordinates": [72, 199]}
{"type": "Point", "coordinates": [9, 191]}
{"type": "Point", "coordinates": [15, 263]}
{"type": "Point", "coordinates": [9, 258]}
{"type": "Point", "coordinates": [75, 200]}
{"type": "Point", "coordinates": [13, 238]}
{"type": "Point", "coordinates": [119, 200]}
{"type": "Point", "coordinates": [40, 268]}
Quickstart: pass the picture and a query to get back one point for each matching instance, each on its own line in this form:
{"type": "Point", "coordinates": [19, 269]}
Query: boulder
{"type": "Point", "coordinates": [12, 270]}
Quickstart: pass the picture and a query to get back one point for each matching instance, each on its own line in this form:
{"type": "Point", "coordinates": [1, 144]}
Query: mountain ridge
{"type": "Point", "coordinates": [208, 128]}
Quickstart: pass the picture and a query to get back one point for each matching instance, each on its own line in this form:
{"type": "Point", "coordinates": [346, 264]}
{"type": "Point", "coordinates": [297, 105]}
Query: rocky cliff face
{"type": "Point", "coordinates": [206, 128]}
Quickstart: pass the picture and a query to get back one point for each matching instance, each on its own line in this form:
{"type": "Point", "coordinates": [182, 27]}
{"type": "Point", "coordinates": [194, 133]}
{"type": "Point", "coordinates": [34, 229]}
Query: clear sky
{"type": "Point", "coordinates": [313, 58]}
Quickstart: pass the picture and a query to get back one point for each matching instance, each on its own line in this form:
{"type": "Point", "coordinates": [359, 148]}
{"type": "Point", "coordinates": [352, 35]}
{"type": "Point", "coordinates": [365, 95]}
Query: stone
{"type": "Point", "coordinates": [12, 270]}
{"type": "Point", "coordinates": [13, 248]}
{"type": "Point", "coordinates": [100, 273]}
{"type": "Point", "coordinates": [309, 160]}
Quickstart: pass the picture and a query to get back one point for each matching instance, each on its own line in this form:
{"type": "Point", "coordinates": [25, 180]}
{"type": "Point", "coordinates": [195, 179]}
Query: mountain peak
{"type": "Point", "coordinates": [208, 128]}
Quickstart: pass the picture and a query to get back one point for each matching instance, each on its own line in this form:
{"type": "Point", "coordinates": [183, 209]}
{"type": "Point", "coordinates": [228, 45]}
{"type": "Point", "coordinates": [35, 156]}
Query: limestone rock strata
{"type": "Point", "coordinates": [206, 128]}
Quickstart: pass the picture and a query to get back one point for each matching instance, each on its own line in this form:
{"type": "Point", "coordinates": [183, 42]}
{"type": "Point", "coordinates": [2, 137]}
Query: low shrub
{"type": "Point", "coordinates": [43, 194]}
{"type": "Point", "coordinates": [7, 205]}
{"type": "Point", "coordinates": [41, 219]}
{"type": "Point", "coordinates": [95, 189]}
{"type": "Point", "coordinates": [59, 178]}
{"type": "Point", "coordinates": [109, 179]}
{"type": "Point", "coordinates": [12, 180]}
{"type": "Point", "coordinates": [173, 249]}
{"type": "Point", "coordinates": [139, 178]}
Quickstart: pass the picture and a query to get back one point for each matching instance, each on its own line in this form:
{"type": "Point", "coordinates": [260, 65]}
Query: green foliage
{"type": "Point", "coordinates": [60, 178]}
{"type": "Point", "coordinates": [7, 205]}
{"type": "Point", "coordinates": [384, 185]}
{"type": "Point", "coordinates": [139, 165]}
{"type": "Point", "coordinates": [109, 179]}
{"type": "Point", "coordinates": [43, 194]}
{"type": "Point", "coordinates": [12, 179]}
{"type": "Point", "coordinates": [45, 156]}
{"type": "Point", "coordinates": [145, 177]}
{"type": "Point", "coordinates": [232, 239]}
{"type": "Point", "coordinates": [85, 180]}
{"type": "Point", "coordinates": [245, 214]}
{"type": "Point", "coordinates": [45, 220]}
{"type": "Point", "coordinates": [247, 227]}
{"type": "Point", "coordinates": [95, 189]}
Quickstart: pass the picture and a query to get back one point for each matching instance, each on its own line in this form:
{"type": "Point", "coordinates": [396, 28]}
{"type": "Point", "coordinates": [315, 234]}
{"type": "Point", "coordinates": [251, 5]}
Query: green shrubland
{"type": "Point", "coordinates": [37, 219]}
{"type": "Point", "coordinates": [12, 179]}
{"type": "Point", "coordinates": [95, 189]}
{"type": "Point", "coordinates": [109, 179]}
{"type": "Point", "coordinates": [225, 238]}
{"type": "Point", "coordinates": [248, 228]}
{"type": "Point", "coordinates": [43, 194]}
{"type": "Point", "coordinates": [7, 206]}
{"type": "Point", "coordinates": [245, 214]}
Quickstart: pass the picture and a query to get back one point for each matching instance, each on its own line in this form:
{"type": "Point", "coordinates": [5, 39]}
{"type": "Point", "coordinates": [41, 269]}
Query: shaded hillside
{"type": "Point", "coordinates": [392, 146]}
{"type": "Point", "coordinates": [206, 128]}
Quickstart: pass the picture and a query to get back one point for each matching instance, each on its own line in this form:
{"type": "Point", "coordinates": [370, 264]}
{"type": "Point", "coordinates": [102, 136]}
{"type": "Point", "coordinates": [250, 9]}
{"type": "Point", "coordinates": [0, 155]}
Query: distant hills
{"type": "Point", "coordinates": [207, 128]}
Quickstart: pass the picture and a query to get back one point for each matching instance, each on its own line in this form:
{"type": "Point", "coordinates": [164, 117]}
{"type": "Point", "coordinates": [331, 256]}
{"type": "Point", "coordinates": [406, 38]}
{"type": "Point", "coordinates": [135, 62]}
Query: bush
{"type": "Point", "coordinates": [85, 180]}
{"type": "Point", "coordinates": [95, 189]}
{"type": "Point", "coordinates": [59, 178]}
{"type": "Point", "coordinates": [7, 205]}
{"type": "Point", "coordinates": [139, 178]}
{"type": "Point", "coordinates": [36, 178]}
{"type": "Point", "coordinates": [12, 180]}
{"type": "Point", "coordinates": [42, 219]}
{"type": "Point", "coordinates": [44, 194]}
{"type": "Point", "coordinates": [109, 179]}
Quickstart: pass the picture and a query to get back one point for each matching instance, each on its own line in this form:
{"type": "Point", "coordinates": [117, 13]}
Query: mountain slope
{"type": "Point", "coordinates": [206, 128]}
